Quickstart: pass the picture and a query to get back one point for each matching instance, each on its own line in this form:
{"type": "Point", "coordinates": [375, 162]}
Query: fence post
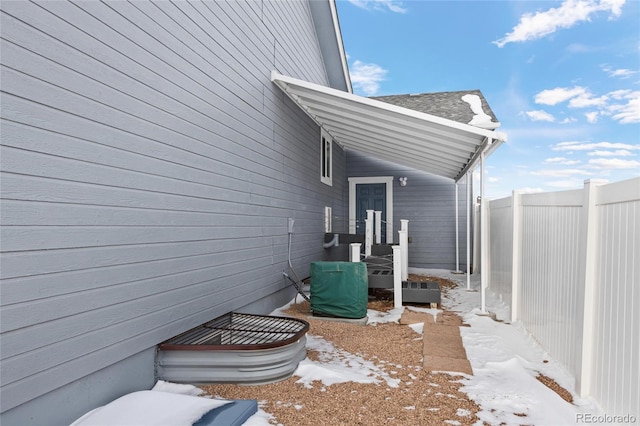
{"type": "Point", "coordinates": [516, 262]}
{"type": "Point", "coordinates": [588, 271]}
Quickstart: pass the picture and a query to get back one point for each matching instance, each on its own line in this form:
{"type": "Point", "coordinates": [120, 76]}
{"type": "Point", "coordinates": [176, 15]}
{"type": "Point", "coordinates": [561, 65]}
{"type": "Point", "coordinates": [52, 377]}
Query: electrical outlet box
{"type": "Point", "coordinates": [327, 219]}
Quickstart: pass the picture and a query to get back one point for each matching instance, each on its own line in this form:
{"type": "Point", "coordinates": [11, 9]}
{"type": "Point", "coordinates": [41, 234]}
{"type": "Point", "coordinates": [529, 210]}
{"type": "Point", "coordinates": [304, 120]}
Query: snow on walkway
{"type": "Point", "coordinates": [506, 361]}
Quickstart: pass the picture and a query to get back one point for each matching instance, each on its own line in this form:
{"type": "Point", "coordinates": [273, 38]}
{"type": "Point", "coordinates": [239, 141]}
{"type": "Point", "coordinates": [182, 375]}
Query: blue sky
{"type": "Point", "coordinates": [563, 77]}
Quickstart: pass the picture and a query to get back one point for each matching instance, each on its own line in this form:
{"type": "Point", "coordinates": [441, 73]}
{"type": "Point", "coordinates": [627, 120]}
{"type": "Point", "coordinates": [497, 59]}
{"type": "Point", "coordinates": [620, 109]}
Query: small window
{"type": "Point", "coordinates": [325, 158]}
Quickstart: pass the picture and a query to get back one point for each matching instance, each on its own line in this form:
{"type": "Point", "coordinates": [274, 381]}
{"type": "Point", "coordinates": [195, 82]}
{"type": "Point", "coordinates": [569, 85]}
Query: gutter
{"type": "Point", "coordinates": [489, 145]}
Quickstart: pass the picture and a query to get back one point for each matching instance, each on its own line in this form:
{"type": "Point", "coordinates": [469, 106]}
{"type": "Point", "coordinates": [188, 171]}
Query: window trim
{"type": "Point", "coordinates": [353, 181]}
{"type": "Point", "coordinates": [326, 158]}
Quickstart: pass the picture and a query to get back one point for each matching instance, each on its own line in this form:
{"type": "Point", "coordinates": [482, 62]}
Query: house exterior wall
{"type": "Point", "coordinates": [428, 202]}
{"type": "Point", "coordinates": [149, 167]}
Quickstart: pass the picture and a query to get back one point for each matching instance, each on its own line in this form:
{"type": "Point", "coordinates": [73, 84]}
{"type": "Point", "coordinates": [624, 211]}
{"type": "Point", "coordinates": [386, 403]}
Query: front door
{"type": "Point", "coordinates": [371, 196]}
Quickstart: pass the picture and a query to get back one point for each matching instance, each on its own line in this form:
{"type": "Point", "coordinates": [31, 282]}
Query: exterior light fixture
{"type": "Point", "coordinates": [403, 181]}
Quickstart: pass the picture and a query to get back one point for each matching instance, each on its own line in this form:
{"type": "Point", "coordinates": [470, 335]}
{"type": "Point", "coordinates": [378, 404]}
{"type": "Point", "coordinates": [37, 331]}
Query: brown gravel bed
{"type": "Point", "coordinates": [422, 398]}
{"type": "Point", "coordinates": [554, 386]}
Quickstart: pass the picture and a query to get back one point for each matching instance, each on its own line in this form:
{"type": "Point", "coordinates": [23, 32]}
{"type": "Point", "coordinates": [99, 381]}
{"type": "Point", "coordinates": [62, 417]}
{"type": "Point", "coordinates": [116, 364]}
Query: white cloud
{"type": "Point", "coordinates": [562, 161]}
{"type": "Point", "coordinates": [590, 146]}
{"type": "Point", "coordinates": [586, 99]}
{"type": "Point", "coordinates": [617, 153]}
{"type": "Point", "coordinates": [619, 73]}
{"type": "Point", "coordinates": [367, 77]}
{"type": "Point", "coordinates": [383, 5]}
{"type": "Point", "coordinates": [535, 26]}
{"type": "Point", "coordinates": [623, 94]}
{"type": "Point", "coordinates": [540, 115]}
{"type": "Point", "coordinates": [592, 117]}
{"type": "Point", "coordinates": [559, 94]}
{"type": "Point", "coordinates": [629, 112]}
{"type": "Point", "coordinates": [614, 163]}
{"type": "Point", "coordinates": [621, 105]}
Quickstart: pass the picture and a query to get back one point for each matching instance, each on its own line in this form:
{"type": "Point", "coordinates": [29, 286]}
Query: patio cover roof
{"type": "Point", "coordinates": [403, 136]}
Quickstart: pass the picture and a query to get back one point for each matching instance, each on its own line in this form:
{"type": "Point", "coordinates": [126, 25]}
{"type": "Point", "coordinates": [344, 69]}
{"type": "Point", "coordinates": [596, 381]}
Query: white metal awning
{"type": "Point", "coordinates": [389, 132]}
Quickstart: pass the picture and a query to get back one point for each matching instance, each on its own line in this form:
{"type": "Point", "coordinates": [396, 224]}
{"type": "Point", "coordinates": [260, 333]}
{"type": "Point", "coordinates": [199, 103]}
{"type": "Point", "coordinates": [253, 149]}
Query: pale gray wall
{"type": "Point", "coordinates": [428, 202]}
{"type": "Point", "coordinates": [148, 170]}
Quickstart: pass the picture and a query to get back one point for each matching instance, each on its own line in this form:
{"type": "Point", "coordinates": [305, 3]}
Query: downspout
{"type": "Point", "coordinates": [457, 271]}
{"type": "Point", "coordinates": [468, 233]}
{"type": "Point", "coordinates": [483, 233]}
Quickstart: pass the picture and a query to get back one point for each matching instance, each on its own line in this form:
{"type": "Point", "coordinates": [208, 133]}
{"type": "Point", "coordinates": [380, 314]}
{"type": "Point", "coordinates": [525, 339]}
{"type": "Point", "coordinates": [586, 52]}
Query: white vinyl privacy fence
{"type": "Point", "coordinates": [568, 265]}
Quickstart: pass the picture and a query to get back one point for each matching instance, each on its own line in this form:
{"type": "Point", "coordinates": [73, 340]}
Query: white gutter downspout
{"type": "Point", "coordinates": [457, 234]}
{"type": "Point", "coordinates": [457, 271]}
{"type": "Point", "coordinates": [483, 233]}
{"type": "Point", "coordinates": [468, 235]}
{"type": "Point", "coordinates": [492, 143]}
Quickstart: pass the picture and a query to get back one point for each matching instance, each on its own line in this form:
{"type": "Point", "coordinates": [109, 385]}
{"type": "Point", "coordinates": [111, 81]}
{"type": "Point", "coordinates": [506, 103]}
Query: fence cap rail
{"type": "Point", "coordinates": [619, 192]}
{"type": "Point", "coordinates": [571, 198]}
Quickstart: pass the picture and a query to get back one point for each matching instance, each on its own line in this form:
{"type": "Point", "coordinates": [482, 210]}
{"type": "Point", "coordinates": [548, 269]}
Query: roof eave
{"type": "Point", "coordinates": [283, 81]}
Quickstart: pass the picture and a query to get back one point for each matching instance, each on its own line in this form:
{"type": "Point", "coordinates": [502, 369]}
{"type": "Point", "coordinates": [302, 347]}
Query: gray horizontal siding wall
{"type": "Point", "coordinates": [428, 202]}
{"type": "Point", "coordinates": [148, 170]}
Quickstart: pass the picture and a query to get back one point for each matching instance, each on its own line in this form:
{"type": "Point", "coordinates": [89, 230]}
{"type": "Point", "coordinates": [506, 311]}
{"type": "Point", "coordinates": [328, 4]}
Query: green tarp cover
{"type": "Point", "coordinates": [339, 289]}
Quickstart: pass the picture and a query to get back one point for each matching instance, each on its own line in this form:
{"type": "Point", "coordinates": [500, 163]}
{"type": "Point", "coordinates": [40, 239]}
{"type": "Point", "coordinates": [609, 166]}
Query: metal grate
{"type": "Point", "coordinates": [234, 331]}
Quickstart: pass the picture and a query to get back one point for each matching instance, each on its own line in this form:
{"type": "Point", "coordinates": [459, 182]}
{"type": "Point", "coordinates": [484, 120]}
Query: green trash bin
{"type": "Point", "coordinates": [339, 289]}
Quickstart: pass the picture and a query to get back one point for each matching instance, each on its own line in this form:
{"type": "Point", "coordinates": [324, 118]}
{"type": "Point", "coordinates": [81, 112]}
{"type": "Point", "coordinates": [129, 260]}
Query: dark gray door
{"type": "Point", "coordinates": [371, 196]}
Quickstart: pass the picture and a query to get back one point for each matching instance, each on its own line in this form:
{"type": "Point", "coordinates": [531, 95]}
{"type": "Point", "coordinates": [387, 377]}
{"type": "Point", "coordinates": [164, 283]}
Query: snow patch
{"type": "Point", "coordinates": [480, 118]}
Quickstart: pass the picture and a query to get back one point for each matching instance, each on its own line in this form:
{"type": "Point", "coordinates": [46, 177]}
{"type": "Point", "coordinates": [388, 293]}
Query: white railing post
{"type": "Point", "coordinates": [354, 252]}
{"type": "Point", "coordinates": [404, 246]}
{"type": "Point", "coordinates": [378, 228]}
{"type": "Point", "coordinates": [368, 233]}
{"type": "Point", "coordinates": [397, 276]}
{"type": "Point", "coordinates": [516, 268]}
{"type": "Point", "coordinates": [588, 271]}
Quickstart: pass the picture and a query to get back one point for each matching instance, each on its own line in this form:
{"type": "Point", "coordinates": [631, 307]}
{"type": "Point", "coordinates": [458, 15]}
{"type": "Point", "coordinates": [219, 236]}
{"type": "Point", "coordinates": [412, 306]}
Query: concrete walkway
{"type": "Point", "coordinates": [442, 348]}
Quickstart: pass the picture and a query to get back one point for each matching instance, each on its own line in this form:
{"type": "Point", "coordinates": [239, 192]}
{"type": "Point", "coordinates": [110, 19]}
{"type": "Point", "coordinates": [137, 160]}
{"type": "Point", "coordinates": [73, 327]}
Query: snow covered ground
{"type": "Point", "coordinates": [504, 357]}
{"type": "Point", "coordinates": [505, 361]}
